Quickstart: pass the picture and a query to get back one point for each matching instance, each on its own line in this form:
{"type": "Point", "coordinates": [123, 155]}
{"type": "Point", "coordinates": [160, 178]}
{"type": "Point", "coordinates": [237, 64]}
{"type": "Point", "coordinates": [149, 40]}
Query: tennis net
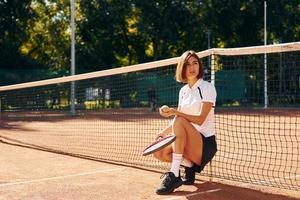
{"type": "Point", "coordinates": [115, 118]}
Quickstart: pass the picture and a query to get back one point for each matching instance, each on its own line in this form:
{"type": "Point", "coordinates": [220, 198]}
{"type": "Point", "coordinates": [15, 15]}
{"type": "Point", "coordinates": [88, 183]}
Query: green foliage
{"type": "Point", "coordinates": [104, 38]}
{"type": "Point", "coordinates": [49, 35]}
{"type": "Point", "coordinates": [35, 34]}
{"type": "Point", "coordinates": [14, 18]}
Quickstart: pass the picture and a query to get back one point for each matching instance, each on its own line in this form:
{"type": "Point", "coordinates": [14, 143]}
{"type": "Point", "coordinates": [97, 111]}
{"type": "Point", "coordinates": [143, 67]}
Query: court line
{"type": "Point", "coordinates": [61, 177]}
{"type": "Point", "coordinates": [194, 194]}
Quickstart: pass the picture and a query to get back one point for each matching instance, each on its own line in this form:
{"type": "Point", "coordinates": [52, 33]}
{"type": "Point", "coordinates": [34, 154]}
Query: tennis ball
{"type": "Point", "coordinates": [165, 108]}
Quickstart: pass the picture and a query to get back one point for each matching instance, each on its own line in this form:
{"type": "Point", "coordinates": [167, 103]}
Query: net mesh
{"type": "Point", "coordinates": [116, 113]}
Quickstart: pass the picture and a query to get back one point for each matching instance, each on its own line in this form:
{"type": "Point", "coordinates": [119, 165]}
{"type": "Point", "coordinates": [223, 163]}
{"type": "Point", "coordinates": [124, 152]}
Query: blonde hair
{"type": "Point", "coordinates": [181, 66]}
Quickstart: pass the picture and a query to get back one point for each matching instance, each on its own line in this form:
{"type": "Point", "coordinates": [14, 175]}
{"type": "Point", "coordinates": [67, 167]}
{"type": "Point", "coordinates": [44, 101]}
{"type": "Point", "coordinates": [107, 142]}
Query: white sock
{"type": "Point", "coordinates": [176, 160]}
{"type": "Point", "coordinates": [186, 162]}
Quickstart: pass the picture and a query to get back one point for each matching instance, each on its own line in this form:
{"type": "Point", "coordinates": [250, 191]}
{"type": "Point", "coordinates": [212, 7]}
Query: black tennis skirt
{"type": "Point", "coordinates": [209, 151]}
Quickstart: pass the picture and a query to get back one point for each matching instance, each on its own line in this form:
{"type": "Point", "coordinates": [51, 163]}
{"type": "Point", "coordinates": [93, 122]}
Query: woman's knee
{"type": "Point", "coordinates": [179, 126]}
{"type": "Point", "coordinates": [179, 121]}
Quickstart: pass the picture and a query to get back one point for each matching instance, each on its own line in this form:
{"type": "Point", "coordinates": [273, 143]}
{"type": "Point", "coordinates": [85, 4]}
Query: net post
{"type": "Point", "coordinates": [265, 82]}
{"type": "Point", "coordinates": [212, 65]}
{"type": "Point", "coordinates": [265, 58]}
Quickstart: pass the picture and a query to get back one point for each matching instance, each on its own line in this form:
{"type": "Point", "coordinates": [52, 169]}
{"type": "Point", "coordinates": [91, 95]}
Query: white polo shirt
{"type": "Point", "coordinates": [190, 102]}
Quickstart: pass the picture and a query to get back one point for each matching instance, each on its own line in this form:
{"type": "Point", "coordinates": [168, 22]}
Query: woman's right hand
{"type": "Point", "coordinates": [160, 134]}
{"type": "Point", "coordinates": [164, 111]}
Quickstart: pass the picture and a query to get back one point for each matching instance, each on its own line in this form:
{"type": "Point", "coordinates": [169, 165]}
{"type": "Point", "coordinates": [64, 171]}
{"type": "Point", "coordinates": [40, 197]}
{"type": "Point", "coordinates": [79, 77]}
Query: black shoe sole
{"type": "Point", "coordinates": [188, 182]}
{"type": "Point", "coordinates": [178, 184]}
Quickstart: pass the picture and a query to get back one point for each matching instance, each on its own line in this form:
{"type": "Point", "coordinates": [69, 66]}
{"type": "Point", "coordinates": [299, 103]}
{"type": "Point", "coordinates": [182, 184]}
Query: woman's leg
{"type": "Point", "coordinates": [188, 142]}
{"type": "Point", "coordinates": [164, 154]}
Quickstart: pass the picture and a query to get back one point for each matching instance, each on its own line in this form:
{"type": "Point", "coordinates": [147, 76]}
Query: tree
{"type": "Point", "coordinates": [14, 16]}
{"type": "Point", "coordinates": [167, 27]}
{"type": "Point", "coordinates": [35, 34]}
{"type": "Point", "coordinates": [283, 21]}
{"type": "Point", "coordinates": [49, 35]}
{"type": "Point", "coordinates": [103, 35]}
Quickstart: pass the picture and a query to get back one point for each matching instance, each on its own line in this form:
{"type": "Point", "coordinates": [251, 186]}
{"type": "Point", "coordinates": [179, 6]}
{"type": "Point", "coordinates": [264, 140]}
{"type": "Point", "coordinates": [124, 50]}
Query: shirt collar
{"type": "Point", "coordinates": [197, 84]}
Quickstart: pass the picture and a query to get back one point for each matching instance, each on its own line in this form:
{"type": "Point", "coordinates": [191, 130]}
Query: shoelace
{"type": "Point", "coordinates": [184, 175]}
{"type": "Point", "coordinates": [167, 178]}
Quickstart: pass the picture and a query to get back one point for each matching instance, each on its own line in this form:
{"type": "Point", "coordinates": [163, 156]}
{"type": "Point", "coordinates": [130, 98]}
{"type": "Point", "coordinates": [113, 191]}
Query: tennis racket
{"type": "Point", "coordinates": [159, 144]}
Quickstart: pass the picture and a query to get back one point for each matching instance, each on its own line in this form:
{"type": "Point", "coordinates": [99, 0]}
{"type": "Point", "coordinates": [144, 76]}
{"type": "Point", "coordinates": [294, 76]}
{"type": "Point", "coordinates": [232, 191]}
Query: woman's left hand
{"type": "Point", "coordinates": [171, 112]}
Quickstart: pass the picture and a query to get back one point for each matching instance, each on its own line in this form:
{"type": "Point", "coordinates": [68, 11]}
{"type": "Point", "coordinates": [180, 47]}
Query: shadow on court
{"type": "Point", "coordinates": [32, 174]}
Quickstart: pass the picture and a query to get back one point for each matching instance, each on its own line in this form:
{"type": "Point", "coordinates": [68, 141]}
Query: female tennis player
{"type": "Point", "coordinates": [193, 125]}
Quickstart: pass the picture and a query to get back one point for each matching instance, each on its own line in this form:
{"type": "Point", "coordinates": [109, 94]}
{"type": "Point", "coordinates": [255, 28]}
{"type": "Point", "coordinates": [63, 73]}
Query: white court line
{"type": "Point", "coordinates": [194, 194]}
{"type": "Point", "coordinates": [61, 177]}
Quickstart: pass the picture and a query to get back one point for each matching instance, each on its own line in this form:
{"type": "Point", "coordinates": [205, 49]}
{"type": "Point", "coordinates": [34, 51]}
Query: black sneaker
{"type": "Point", "coordinates": [189, 177]}
{"type": "Point", "coordinates": [169, 183]}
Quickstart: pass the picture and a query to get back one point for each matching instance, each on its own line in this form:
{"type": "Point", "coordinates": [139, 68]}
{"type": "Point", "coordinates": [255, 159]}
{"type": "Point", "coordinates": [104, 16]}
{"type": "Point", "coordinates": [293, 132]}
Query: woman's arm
{"type": "Point", "coordinates": [168, 129]}
{"type": "Point", "coordinates": [165, 131]}
{"type": "Point", "coordinates": [197, 119]}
